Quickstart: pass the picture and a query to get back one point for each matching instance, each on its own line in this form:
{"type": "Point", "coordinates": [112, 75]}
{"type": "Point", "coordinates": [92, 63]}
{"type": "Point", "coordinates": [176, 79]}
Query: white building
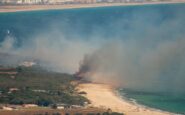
{"type": "Point", "coordinates": [9, 1]}
{"type": "Point", "coordinates": [59, 1]}
{"type": "Point", "coordinates": [56, 1]}
{"type": "Point", "coordinates": [34, 1]}
{"type": "Point", "coordinates": [27, 64]}
{"type": "Point", "coordinates": [29, 1]}
{"type": "Point", "coordinates": [19, 2]}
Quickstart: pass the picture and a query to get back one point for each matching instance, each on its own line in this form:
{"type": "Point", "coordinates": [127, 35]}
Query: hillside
{"type": "Point", "coordinates": [34, 85]}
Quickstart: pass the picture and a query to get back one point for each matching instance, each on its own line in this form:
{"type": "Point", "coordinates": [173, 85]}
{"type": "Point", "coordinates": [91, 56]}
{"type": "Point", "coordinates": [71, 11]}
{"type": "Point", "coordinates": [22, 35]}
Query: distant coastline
{"type": "Point", "coordinates": [19, 8]}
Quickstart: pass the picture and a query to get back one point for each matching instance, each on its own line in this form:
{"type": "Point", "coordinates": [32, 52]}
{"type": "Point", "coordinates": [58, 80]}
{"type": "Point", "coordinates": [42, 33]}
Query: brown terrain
{"type": "Point", "coordinates": [48, 111]}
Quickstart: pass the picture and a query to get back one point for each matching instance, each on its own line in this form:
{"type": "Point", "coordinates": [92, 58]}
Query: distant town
{"type": "Point", "coordinates": [58, 2]}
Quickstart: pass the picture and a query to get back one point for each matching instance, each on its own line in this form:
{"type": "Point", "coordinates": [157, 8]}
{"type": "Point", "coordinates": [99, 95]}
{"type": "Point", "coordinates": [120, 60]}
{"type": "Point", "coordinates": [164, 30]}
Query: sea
{"type": "Point", "coordinates": [159, 22]}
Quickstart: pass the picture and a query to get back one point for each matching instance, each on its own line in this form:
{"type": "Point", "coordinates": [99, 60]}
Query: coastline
{"type": "Point", "coordinates": [104, 96]}
{"type": "Point", "coordinates": [134, 102]}
{"type": "Point", "coordinates": [19, 8]}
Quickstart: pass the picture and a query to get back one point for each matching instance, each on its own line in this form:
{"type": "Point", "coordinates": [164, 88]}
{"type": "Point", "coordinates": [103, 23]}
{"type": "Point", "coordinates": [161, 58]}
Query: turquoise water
{"type": "Point", "coordinates": [163, 101]}
{"type": "Point", "coordinates": [149, 23]}
{"type": "Point", "coordinates": [106, 22]}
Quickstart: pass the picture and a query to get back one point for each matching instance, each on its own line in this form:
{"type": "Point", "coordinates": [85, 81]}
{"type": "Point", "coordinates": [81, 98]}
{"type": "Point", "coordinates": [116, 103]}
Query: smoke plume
{"type": "Point", "coordinates": [138, 47]}
{"type": "Point", "coordinates": [160, 68]}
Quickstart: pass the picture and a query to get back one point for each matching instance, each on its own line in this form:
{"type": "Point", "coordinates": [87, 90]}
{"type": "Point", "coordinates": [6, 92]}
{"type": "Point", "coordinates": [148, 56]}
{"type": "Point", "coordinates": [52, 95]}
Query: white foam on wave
{"type": "Point", "coordinates": [119, 92]}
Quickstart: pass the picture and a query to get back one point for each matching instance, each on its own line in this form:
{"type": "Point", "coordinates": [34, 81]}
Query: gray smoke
{"type": "Point", "coordinates": [51, 50]}
{"type": "Point", "coordinates": [144, 51]}
{"type": "Point", "coordinates": [151, 58]}
{"type": "Point", "coordinates": [128, 64]}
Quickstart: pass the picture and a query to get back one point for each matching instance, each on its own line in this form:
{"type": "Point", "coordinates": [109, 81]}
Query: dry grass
{"type": "Point", "coordinates": [43, 111]}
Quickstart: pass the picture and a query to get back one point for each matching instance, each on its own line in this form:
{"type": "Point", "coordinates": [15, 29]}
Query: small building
{"type": "Point", "coordinates": [7, 108]}
{"type": "Point", "coordinates": [19, 1]}
{"type": "Point", "coordinates": [13, 90]}
{"type": "Point", "coordinates": [63, 106]}
{"type": "Point", "coordinates": [85, 104]}
{"type": "Point", "coordinates": [76, 106]}
{"type": "Point", "coordinates": [30, 105]}
{"type": "Point", "coordinates": [40, 90]}
{"type": "Point", "coordinates": [84, 2]}
{"type": "Point", "coordinates": [27, 63]}
{"type": "Point", "coordinates": [60, 107]}
{"type": "Point", "coordinates": [8, 1]}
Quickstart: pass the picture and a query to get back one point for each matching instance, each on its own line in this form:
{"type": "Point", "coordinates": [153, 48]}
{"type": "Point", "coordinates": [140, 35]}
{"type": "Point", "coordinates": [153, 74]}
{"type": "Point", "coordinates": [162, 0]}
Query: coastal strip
{"type": "Point", "coordinates": [102, 95]}
{"type": "Point", "coordinates": [18, 8]}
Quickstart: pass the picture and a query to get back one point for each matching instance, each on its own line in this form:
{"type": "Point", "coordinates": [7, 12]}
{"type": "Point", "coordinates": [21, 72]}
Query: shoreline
{"type": "Point", "coordinates": [21, 8]}
{"type": "Point", "coordinates": [104, 96]}
{"type": "Point", "coordinates": [134, 102]}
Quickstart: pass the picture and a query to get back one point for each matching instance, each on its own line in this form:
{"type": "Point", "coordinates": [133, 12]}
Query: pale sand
{"type": "Point", "coordinates": [17, 8]}
{"type": "Point", "coordinates": [102, 95]}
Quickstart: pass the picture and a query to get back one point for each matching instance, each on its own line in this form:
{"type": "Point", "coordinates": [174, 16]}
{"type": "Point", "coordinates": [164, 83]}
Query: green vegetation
{"type": "Point", "coordinates": [113, 113]}
{"type": "Point", "coordinates": [35, 85]}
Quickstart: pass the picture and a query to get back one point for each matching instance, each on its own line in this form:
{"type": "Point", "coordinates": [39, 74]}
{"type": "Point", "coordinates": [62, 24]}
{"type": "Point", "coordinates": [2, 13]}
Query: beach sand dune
{"type": "Point", "coordinates": [102, 95]}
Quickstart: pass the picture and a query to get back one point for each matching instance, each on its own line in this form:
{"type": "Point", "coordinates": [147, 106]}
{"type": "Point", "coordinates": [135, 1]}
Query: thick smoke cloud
{"type": "Point", "coordinates": [151, 59]}
{"type": "Point", "coordinates": [51, 50]}
{"type": "Point", "coordinates": [141, 49]}
{"type": "Point", "coordinates": [124, 64]}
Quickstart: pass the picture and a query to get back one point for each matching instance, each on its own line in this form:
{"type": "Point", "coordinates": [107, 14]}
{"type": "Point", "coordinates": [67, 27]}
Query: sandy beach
{"type": "Point", "coordinates": [17, 8]}
{"type": "Point", "coordinates": [102, 95]}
